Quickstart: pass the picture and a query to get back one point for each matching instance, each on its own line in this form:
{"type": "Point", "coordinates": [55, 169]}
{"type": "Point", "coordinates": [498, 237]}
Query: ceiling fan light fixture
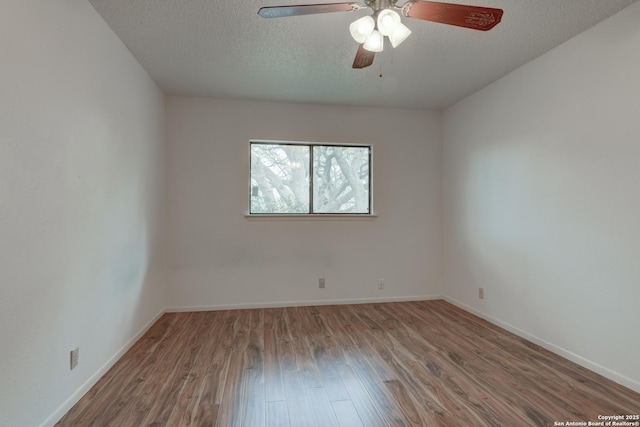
{"type": "Point", "coordinates": [388, 21]}
{"type": "Point", "coordinates": [399, 35]}
{"type": "Point", "coordinates": [362, 28]}
{"type": "Point", "coordinates": [375, 42]}
{"type": "Point", "coordinates": [385, 21]}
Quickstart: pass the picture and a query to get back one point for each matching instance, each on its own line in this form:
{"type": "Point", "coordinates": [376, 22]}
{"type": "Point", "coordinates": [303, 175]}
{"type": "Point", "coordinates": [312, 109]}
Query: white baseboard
{"type": "Point", "coordinates": [84, 388]}
{"type": "Point", "coordinates": [605, 372]}
{"type": "Point", "coordinates": [178, 309]}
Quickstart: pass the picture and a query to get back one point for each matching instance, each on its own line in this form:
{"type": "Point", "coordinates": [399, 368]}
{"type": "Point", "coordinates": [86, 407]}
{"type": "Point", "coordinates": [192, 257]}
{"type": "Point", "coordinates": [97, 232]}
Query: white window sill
{"type": "Point", "coordinates": [311, 217]}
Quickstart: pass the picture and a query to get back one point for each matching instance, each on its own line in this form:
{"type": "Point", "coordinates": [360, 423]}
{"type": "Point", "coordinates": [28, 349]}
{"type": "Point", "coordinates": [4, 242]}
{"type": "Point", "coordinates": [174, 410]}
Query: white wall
{"type": "Point", "coordinates": [81, 184]}
{"type": "Point", "coordinates": [541, 199]}
{"type": "Point", "coordinates": [218, 258]}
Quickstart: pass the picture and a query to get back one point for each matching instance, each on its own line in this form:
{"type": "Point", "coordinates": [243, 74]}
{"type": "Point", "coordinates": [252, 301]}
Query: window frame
{"type": "Point", "coordinates": [312, 214]}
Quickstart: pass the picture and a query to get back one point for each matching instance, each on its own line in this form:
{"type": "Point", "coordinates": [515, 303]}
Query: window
{"type": "Point", "coordinates": [307, 178]}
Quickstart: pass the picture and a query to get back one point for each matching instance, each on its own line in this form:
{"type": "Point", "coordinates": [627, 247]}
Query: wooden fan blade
{"type": "Point", "coordinates": [474, 17]}
{"type": "Point", "coordinates": [363, 58]}
{"type": "Point", "coordinates": [307, 9]}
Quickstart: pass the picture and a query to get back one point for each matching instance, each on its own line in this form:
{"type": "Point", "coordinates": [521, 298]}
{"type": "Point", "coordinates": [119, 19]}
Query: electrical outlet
{"type": "Point", "coordinates": [73, 359]}
{"type": "Point", "coordinates": [481, 293]}
{"type": "Point", "coordinates": [380, 283]}
{"type": "Point", "coordinates": [321, 282]}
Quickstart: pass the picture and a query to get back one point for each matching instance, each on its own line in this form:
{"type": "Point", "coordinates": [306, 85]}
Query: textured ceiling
{"type": "Point", "coordinates": [224, 49]}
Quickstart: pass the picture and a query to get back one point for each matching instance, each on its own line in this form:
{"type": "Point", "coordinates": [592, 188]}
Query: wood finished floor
{"type": "Point", "coordinates": [395, 364]}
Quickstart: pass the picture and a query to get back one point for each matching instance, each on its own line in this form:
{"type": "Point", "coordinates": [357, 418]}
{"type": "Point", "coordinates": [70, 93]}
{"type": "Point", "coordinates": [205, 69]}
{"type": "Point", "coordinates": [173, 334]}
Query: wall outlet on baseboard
{"type": "Point", "coordinates": [73, 359]}
{"type": "Point", "coordinates": [380, 283]}
{"type": "Point", "coordinates": [481, 293]}
{"type": "Point", "coordinates": [321, 282]}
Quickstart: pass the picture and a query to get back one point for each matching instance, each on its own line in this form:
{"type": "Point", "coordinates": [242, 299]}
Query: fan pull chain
{"type": "Point", "coordinates": [380, 74]}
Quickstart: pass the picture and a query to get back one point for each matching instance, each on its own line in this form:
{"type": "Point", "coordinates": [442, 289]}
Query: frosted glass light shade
{"type": "Point", "coordinates": [388, 21]}
{"type": "Point", "coordinates": [399, 35]}
{"type": "Point", "coordinates": [375, 42]}
{"type": "Point", "coordinates": [362, 28]}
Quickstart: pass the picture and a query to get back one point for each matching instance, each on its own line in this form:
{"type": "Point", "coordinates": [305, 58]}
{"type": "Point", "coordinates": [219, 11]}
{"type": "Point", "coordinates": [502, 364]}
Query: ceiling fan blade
{"type": "Point", "coordinates": [307, 9]}
{"type": "Point", "coordinates": [363, 58]}
{"type": "Point", "coordinates": [474, 17]}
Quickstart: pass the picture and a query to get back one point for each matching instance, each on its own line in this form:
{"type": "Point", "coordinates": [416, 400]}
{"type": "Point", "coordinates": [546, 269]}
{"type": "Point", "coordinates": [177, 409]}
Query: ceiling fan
{"type": "Point", "coordinates": [369, 31]}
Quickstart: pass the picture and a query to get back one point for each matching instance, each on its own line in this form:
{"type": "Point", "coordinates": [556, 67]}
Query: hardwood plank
{"type": "Point", "coordinates": [408, 396]}
{"type": "Point", "coordinates": [254, 354]}
{"type": "Point", "coordinates": [274, 385]}
{"type": "Point", "coordinates": [147, 386]}
{"type": "Point", "coordinates": [496, 372]}
{"type": "Point", "coordinates": [368, 411]}
{"type": "Point", "coordinates": [297, 402]}
{"type": "Point", "coordinates": [161, 395]}
{"type": "Point", "coordinates": [255, 410]}
{"type": "Point", "coordinates": [356, 337]}
{"type": "Point", "coordinates": [277, 414]}
{"type": "Point", "coordinates": [346, 414]}
{"type": "Point", "coordinates": [286, 350]}
{"type": "Point", "coordinates": [332, 350]}
{"type": "Point", "coordinates": [235, 394]}
{"type": "Point", "coordinates": [469, 394]}
{"type": "Point", "coordinates": [321, 409]}
{"type": "Point", "coordinates": [305, 361]}
{"type": "Point", "coordinates": [324, 352]}
{"type": "Point", "coordinates": [196, 406]}
{"type": "Point", "coordinates": [467, 391]}
{"type": "Point", "coordinates": [215, 357]}
{"type": "Point", "coordinates": [423, 363]}
{"type": "Point", "coordinates": [130, 366]}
